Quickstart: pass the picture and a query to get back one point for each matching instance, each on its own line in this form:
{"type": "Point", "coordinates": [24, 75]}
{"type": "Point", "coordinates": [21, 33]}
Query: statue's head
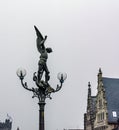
{"type": "Point", "coordinates": [49, 50]}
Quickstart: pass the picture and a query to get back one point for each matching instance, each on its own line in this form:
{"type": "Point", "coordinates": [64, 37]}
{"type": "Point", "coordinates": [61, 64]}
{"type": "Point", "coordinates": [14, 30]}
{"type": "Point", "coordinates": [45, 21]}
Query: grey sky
{"type": "Point", "coordinates": [84, 36]}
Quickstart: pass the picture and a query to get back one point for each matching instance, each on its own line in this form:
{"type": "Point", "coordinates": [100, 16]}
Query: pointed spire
{"type": "Point", "coordinates": [17, 128]}
{"type": "Point", "coordinates": [100, 71]}
{"type": "Point", "coordinates": [89, 96]}
{"type": "Point", "coordinates": [99, 75]}
{"type": "Point", "coordinates": [89, 85]}
{"type": "Point", "coordinates": [89, 89]}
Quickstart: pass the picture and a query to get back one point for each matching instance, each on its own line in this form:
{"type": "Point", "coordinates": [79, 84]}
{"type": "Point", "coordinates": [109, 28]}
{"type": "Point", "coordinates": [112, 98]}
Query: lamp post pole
{"type": "Point", "coordinates": [41, 115]}
{"type": "Point", "coordinates": [43, 89]}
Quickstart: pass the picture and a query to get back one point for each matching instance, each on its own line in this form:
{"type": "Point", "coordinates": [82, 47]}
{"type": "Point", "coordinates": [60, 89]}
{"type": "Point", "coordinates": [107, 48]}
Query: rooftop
{"type": "Point", "coordinates": [111, 86]}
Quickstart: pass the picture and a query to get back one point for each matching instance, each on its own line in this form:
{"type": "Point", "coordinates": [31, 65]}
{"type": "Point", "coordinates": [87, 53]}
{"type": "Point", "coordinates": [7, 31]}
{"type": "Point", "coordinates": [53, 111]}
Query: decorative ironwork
{"type": "Point", "coordinates": [43, 89]}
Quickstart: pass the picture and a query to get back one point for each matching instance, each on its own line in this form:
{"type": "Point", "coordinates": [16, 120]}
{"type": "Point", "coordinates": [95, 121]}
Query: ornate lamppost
{"type": "Point", "coordinates": [41, 78]}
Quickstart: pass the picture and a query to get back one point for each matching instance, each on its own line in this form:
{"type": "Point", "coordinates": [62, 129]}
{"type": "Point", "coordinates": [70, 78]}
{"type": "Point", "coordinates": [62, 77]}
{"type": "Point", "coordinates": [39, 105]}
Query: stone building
{"type": "Point", "coordinates": [7, 125]}
{"type": "Point", "coordinates": [103, 109]}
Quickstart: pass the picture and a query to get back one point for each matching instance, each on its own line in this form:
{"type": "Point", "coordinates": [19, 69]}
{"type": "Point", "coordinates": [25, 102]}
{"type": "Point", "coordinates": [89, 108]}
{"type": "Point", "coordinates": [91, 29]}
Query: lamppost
{"type": "Point", "coordinates": [41, 78]}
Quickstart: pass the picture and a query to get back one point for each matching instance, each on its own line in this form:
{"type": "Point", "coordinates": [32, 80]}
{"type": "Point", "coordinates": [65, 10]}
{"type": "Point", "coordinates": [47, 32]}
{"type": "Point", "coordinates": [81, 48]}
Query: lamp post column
{"type": "Point", "coordinates": [41, 115]}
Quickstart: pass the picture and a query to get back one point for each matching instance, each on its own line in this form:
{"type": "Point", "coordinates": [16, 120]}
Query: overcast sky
{"type": "Point", "coordinates": [84, 36]}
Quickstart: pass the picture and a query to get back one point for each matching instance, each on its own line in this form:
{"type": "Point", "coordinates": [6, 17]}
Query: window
{"type": "Point", "coordinates": [100, 117]}
{"type": "Point", "coordinates": [114, 113]}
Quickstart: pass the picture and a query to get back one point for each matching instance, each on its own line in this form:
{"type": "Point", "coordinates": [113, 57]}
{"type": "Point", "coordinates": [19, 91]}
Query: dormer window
{"type": "Point", "coordinates": [114, 113]}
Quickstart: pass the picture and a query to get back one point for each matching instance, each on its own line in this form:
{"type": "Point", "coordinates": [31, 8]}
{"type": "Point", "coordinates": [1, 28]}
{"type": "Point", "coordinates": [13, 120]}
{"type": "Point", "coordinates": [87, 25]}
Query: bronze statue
{"type": "Point", "coordinates": [43, 89]}
{"type": "Point", "coordinates": [43, 57]}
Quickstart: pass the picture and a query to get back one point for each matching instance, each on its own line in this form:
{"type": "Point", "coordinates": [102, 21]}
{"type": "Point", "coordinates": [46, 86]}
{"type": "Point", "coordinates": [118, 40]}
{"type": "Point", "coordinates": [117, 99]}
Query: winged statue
{"type": "Point", "coordinates": [43, 56]}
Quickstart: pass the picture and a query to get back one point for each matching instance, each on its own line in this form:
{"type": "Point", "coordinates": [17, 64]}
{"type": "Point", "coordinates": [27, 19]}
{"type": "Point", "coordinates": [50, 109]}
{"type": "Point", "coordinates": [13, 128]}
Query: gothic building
{"type": "Point", "coordinates": [7, 125]}
{"type": "Point", "coordinates": [103, 109]}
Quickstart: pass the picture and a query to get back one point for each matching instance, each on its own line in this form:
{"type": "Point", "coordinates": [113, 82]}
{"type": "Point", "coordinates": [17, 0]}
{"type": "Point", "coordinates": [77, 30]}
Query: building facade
{"type": "Point", "coordinates": [103, 109]}
{"type": "Point", "coordinates": [7, 125]}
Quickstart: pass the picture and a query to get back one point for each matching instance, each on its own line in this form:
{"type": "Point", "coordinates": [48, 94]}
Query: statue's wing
{"type": "Point", "coordinates": [39, 35]}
